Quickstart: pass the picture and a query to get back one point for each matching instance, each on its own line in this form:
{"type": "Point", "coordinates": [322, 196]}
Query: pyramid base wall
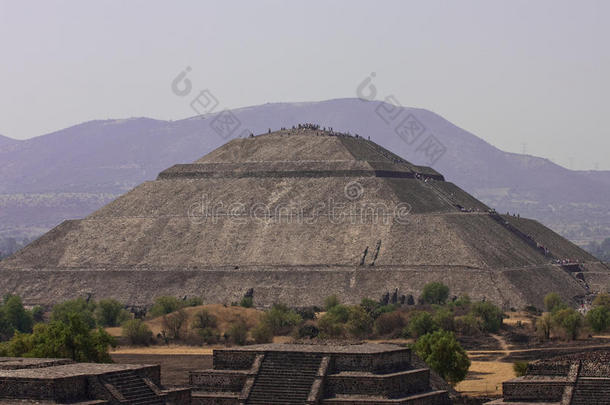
{"type": "Point", "coordinates": [297, 286]}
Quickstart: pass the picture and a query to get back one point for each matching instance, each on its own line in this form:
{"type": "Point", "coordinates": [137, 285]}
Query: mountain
{"type": "Point", "coordinates": [71, 172]}
{"type": "Point", "coordinates": [6, 141]}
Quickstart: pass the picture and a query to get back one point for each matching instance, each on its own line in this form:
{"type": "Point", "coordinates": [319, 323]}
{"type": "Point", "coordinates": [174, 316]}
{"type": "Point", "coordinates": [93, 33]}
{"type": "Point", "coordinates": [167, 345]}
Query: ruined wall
{"type": "Point", "coordinates": [302, 286]}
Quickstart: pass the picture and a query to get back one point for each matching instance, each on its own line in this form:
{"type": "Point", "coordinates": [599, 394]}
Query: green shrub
{"type": "Point", "coordinates": [490, 314]}
{"type": "Point", "coordinates": [330, 326]}
{"type": "Point", "coordinates": [339, 312]}
{"type": "Point", "coordinates": [15, 315]}
{"type": "Point", "coordinates": [307, 313]}
{"type": "Point", "coordinates": [435, 293]}
{"type": "Point", "coordinates": [520, 368]}
{"type": "Point", "coordinates": [72, 339]}
{"type": "Point", "coordinates": [80, 307]}
{"type": "Point", "coordinates": [444, 318]}
{"type": "Point", "coordinates": [330, 302]}
{"type": "Point", "coordinates": [569, 320]}
{"type": "Point", "coordinates": [421, 323]}
{"type": "Point", "coordinates": [463, 301]}
{"type": "Point", "coordinates": [246, 302]}
{"type": "Point", "coordinates": [370, 306]}
{"type": "Point", "coordinates": [599, 318]}
{"type": "Point", "coordinates": [38, 314]}
{"type": "Point", "coordinates": [208, 335]}
{"type": "Point", "coordinates": [165, 305]}
{"type": "Point", "coordinates": [553, 302]}
{"type": "Point", "coordinates": [110, 313]}
{"type": "Point", "coordinates": [308, 330]}
{"type": "Point", "coordinates": [281, 319]}
{"type": "Point", "coordinates": [137, 332]}
{"type": "Point", "coordinates": [389, 323]}
{"type": "Point", "coordinates": [238, 333]}
{"type": "Point", "coordinates": [468, 325]}
{"type": "Point", "coordinates": [359, 323]}
{"type": "Point", "coordinates": [262, 333]}
{"type": "Point", "coordinates": [442, 353]}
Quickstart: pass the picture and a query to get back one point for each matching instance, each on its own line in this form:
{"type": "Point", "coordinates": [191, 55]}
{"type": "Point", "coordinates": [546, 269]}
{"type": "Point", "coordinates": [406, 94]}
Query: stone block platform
{"type": "Point", "coordinates": [59, 381]}
{"type": "Point", "coordinates": [579, 379]}
{"type": "Point", "coordinates": [314, 374]}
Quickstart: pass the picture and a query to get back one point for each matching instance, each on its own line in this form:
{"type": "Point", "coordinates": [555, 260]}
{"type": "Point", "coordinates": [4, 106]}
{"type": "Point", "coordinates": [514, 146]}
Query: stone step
{"type": "Point", "coordinates": [284, 378]}
{"type": "Point", "coordinates": [426, 398]}
{"type": "Point", "coordinates": [133, 388]}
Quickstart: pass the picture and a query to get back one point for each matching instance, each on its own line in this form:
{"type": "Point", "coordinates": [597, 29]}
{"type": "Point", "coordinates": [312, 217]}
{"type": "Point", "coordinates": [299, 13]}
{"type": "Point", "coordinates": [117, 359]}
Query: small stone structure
{"type": "Point", "coordinates": [579, 379]}
{"type": "Point", "coordinates": [55, 381]}
{"type": "Point", "coordinates": [315, 374]}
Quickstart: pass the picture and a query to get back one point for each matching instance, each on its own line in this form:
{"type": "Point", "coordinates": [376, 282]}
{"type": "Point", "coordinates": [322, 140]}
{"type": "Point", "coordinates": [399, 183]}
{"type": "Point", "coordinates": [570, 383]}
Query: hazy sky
{"type": "Point", "coordinates": [511, 72]}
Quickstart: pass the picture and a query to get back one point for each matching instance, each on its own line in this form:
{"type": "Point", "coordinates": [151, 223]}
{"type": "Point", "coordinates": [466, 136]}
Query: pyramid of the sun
{"type": "Point", "coordinates": [298, 215]}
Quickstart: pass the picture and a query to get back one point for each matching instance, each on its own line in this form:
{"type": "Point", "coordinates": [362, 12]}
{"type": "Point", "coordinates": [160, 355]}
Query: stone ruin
{"type": "Point", "coordinates": [298, 215]}
{"type": "Point", "coordinates": [362, 374]}
{"type": "Point", "coordinates": [60, 381]}
{"type": "Point", "coordinates": [578, 379]}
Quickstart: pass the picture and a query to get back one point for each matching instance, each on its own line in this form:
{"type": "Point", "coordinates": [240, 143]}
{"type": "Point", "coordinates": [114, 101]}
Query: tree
{"type": "Point", "coordinates": [389, 323]}
{"type": "Point", "coordinates": [599, 318]}
{"type": "Point", "coordinates": [359, 323]}
{"type": "Point", "coordinates": [38, 314]}
{"type": "Point", "coordinates": [16, 315]}
{"type": "Point", "coordinates": [463, 301]}
{"type": "Point", "coordinates": [421, 323]}
{"type": "Point", "coordinates": [73, 339]}
{"type": "Point", "coordinates": [110, 313]}
{"type": "Point", "coordinates": [238, 333]}
{"type": "Point", "coordinates": [442, 352]}
{"type": "Point", "coordinates": [544, 324]}
{"type": "Point", "coordinates": [203, 319]}
{"type": "Point", "coordinates": [262, 333]}
{"type": "Point", "coordinates": [370, 306]}
{"type": "Point", "coordinates": [444, 318]}
{"type": "Point", "coordinates": [569, 320]}
{"type": "Point", "coordinates": [468, 324]}
{"type": "Point", "coordinates": [80, 307]}
{"type": "Point", "coordinates": [137, 332]}
{"type": "Point", "coordinates": [490, 314]}
{"type": "Point", "coordinates": [435, 293]}
{"type": "Point", "coordinates": [165, 305]}
{"type": "Point", "coordinates": [281, 319]}
{"type": "Point", "coordinates": [553, 302]}
{"type": "Point", "coordinates": [174, 323]}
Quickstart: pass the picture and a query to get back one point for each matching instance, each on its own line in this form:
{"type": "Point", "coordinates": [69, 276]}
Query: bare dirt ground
{"type": "Point", "coordinates": [174, 367]}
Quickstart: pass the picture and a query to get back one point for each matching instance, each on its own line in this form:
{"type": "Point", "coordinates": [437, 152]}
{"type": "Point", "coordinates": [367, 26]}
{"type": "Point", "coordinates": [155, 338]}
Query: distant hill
{"type": "Point", "coordinates": [71, 172]}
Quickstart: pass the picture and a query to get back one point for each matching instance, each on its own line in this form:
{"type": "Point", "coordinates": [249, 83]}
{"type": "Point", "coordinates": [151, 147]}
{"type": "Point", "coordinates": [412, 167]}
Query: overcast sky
{"type": "Point", "coordinates": [511, 72]}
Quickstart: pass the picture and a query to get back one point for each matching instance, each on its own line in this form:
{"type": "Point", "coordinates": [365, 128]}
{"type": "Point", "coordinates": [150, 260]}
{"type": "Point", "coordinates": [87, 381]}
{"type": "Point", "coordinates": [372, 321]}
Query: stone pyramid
{"type": "Point", "coordinates": [294, 216]}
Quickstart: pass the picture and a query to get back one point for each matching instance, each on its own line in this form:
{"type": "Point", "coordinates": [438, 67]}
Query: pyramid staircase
{"type": "Point", "coordinates": [591, 390]}
{"type": "Point", "coordinates": [132, 389]}
{"type": "Point", "coordinates": [308, 374]}
{"type": "Point", "coordinates": [285, 378]}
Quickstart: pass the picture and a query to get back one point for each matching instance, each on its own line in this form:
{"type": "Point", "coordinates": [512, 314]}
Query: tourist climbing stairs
{"type": "Point", "coordinates": [285, 378]}
{"type": "Point", "coordinates": [133, 388]}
